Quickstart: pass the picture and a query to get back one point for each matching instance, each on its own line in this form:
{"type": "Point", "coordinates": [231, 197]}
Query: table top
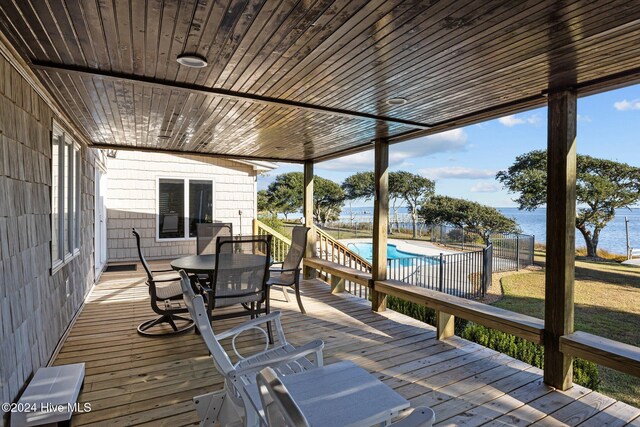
{"type": "Point", "coordinates": [343, 394]}
{"type": "Point", "coordinates": [207, 263]}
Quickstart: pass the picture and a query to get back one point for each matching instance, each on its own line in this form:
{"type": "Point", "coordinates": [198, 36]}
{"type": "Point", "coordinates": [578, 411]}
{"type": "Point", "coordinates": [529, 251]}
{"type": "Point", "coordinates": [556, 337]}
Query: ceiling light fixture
{"type": "Point", "coordinates": [396, 101]}
{"type": "Point", "coordinates": [192, 61]}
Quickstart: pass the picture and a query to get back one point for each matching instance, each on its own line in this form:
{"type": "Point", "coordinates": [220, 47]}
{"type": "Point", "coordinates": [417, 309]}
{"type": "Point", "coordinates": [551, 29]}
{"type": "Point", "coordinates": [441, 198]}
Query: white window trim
{"type": "Point", "coordinates": [186, 181]}
{"type": "Point", "coordinates": [65, 256]}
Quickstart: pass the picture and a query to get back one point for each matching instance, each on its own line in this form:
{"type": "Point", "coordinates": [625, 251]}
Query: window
{"type": "Point", "coordinates": [182, 203]}
{"type": "Point", "coordinates": [65, 197]}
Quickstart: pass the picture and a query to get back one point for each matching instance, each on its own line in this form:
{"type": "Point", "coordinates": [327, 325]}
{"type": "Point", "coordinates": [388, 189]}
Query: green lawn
{"type": "Point", "coordinates": [607, 303]}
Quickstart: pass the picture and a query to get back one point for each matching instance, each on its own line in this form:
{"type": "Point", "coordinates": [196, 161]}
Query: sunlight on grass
{"type": "Point", "coordinates": [607, 303]}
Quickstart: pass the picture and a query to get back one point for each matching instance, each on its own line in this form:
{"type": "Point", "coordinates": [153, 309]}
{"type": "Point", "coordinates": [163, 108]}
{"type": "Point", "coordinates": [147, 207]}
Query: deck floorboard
{"type": "Point", "coordinates": [133, 380]}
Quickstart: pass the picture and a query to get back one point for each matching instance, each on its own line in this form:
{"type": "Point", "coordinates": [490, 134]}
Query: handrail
{"type": "Point", "coordinates": [329, 249]}
{"type": "Point", "coordinates": [322, 236]}
{"type": "Point", "coordinates": [280, 244]}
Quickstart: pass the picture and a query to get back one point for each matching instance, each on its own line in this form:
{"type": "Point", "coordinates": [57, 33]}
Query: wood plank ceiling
{"type": "Point", "coordinates": [310, 79]}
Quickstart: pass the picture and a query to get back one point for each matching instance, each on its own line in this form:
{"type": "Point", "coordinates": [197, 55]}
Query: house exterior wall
{"type": "Point", "coordinates": [132, 179]}
{"type": "Point", "coordinates": [35, 309]}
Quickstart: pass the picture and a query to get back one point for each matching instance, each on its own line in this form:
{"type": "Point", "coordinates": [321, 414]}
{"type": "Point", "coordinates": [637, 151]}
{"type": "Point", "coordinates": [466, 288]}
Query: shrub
{"type": "Point", "coordinates": [585, 373]}
{"type": "Point", "coordinates": [273, 222]}
{"type": "Point", "coordinates": [609, 256]}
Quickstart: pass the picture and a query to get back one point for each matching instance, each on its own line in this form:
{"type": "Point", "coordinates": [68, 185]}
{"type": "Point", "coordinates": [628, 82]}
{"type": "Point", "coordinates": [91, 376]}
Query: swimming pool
{"type": "Point", "coordinates": [365, 250]}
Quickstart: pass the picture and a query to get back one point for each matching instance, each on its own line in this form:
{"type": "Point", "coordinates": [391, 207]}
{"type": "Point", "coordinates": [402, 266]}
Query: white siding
{"type": "Point", "coordinates": [131, 199]}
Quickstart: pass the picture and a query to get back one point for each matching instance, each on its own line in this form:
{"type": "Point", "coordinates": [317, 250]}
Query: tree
{"type": "Point", "coordinates": [286, 192]}
{"type": "Point", "coordinates": [358, 186]}
{"type": "Point", "coordinates": [472, 216]}
{"type": "Point", "coordinates": [414, 190]}
{"type": "Point", "coordinates": [265, 204]}
{"type": "Point", "coordinates": [328, 199]}
{"type": "Point", "coordinates": [404, 187]}
{"type": "Point", "coordinates": [395, 196]}
{"type": "Point", "coordinates": [602, 187]}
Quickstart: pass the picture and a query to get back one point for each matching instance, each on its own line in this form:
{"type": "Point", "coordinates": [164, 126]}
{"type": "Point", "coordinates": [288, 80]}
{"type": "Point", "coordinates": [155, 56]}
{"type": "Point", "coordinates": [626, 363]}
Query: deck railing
{"type": "Point", "coordinates": [280, 244]}
{"type": "Point", "coordinates": [328, 248]}
{"type": "Point", "coordinates": [465, 274]}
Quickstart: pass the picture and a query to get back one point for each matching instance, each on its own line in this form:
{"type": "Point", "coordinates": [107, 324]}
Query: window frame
{"type": "Point", "coordinates": [185, 184]}
{"type": "Point", "coordinates": [72, 206]}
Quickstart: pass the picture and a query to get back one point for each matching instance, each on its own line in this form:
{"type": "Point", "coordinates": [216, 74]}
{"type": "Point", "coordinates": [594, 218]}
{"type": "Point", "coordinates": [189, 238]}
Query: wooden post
{"type": "Point", "coordinates": [380, 221]}
{"type": "Point", "coordinates": [445, 325]}
{"type": "Point", "coordinates": [310, 251]}
{"type": "Point", "coordinates": [561, 223]}
{"type": "Point", "coordinates": [337, 284]}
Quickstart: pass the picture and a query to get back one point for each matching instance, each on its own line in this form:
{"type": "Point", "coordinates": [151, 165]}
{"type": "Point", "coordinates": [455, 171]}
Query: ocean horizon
{"type": "Point", "coordinates": [612, 237]}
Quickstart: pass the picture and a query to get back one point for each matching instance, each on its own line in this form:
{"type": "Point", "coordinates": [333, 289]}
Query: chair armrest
{"type": "Point", "coordinates": [288, 269]}
{"type": "Point", "coordinates": [205, 288]}
{"type": "Point", "coordinates": [274, 315]}
{"type": "Point", "coordinates": [314, 347]}
{"type": "Point", "coordinates": [162, 271]}
{"type": "Point", "coordinates": [166, 280]}
{"type": "Point", "coordinates": [422, 416]}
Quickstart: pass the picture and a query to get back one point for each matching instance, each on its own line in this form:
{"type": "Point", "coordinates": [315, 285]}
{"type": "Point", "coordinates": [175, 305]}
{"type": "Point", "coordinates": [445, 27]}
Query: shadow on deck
{"type": "Point", "coordinates": [133, 380]}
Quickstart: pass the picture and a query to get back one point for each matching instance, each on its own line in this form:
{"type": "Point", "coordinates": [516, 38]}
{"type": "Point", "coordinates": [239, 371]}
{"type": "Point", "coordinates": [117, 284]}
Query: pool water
{"type": "Point", "coordinates": [365, 250]}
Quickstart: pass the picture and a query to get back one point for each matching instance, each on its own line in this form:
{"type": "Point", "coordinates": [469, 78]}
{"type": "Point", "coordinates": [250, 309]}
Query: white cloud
{"type": "Point", "coordinates": [485, 187]}
{"type": "Point", "coordinates": [457, 172]}
{"type": "Point", "coordinates": [404, 152]}
{"type": "Point", "coordinates": [584, 119]}
{"type": "Point", "coordinates": [625, 105]}
{"type": "Point", "coordinates": [512, 120]}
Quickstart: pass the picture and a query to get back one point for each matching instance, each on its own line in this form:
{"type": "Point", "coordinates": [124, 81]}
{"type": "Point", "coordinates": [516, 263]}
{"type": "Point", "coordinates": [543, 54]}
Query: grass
{"type": "Point", "coordinates": [607, 303]}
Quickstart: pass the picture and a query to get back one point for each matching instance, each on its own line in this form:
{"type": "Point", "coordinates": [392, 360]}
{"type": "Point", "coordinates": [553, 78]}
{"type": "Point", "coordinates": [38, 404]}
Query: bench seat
{"type": "Point", "coordinates": [527, 327]}
{"type": "Point", "coordinates": [358, 276]}
{"type": "Point", "coordinates": [603, 351]}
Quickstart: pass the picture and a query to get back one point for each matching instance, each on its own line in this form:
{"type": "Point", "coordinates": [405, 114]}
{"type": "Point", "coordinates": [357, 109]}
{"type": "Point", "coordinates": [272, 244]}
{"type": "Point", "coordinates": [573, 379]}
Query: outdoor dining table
{"type": "Point", "coordinates": [205, 264]}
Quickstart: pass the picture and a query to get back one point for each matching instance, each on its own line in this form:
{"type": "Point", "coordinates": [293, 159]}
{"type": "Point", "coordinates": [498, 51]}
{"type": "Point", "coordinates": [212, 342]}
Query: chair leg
{"type": "Point", "coordinates": [150, 324]}
{"type": "Point", "coordinates": [286, 294]}
{"type": "Point", "coordinates": [166, 318]}
{"type": "Point", "coordinates": [267, 308]}
{"type": "Point", "coordinates": [296, 287]}
{"type": "Point", "coordinates": [172, 323]}
{"type": "Point", "coordinates": [176, 317]}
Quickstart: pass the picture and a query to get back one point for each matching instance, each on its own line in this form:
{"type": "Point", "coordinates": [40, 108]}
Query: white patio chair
{"type": "Point", "coordinates": [281, 409]}
{"type": "Point", "coordinates": [228, 406]}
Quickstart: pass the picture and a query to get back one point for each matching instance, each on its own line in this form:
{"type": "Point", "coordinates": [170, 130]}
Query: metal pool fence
{"type": "Point", "coordinates": [465, 274]}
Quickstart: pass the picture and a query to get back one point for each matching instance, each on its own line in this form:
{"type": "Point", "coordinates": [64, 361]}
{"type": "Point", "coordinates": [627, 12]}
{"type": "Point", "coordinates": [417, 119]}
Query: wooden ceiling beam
{"type": "Point", "coordinates": [191, 153]}
{"type": "Point", "coordinates": [222, 93]}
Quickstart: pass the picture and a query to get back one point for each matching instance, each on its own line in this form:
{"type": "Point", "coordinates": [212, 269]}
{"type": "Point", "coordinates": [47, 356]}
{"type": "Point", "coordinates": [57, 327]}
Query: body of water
{"type": "Point", "coordinates": [365, 250]}
{"type": "Point", "coordinates": [612, 237]}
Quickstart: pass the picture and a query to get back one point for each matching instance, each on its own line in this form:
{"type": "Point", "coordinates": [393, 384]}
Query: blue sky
{"type": "Point", "coordinates": [464, 161]}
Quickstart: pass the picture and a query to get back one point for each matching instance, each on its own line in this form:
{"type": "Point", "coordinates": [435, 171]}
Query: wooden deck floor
{"type": "Point", "coordinates": [132, 380]}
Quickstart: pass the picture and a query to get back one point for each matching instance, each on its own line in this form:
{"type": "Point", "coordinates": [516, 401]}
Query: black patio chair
{"type": "Point", "coordinates": [288, 275]}
{"type": "Point", "coordinates": [166, 299]}
{"type": "Point", "coordinates": [208, 232]}
{"type": "Point", "coordinates": [240, 277]}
